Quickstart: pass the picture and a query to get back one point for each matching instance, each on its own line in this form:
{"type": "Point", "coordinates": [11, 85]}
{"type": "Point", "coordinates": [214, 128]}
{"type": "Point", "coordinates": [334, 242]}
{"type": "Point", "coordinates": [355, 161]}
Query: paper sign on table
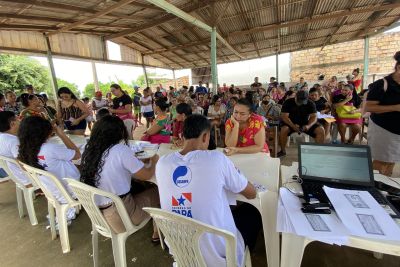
{"type": "Point", "coordinates": [326, 228]}
{"type": "Point", "coordinates": [362, 215]}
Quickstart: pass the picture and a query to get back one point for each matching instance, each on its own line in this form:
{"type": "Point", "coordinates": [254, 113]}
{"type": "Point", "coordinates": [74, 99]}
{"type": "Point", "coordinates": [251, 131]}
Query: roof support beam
{"type": "Point", "coordinates": [219, 17]}
{"type": "Point", "coordinates": [57, 20]}
{"type": "Point", "coordinates": [189, 18]}
{"type": "Point", "coordinates": [32, 27]}
{"type": "Point", "coordinates": [158, 43]}
{"type": "Point", "coordinates": [332, 15]}
{"type": "Point", "coordinates": [278, 19]}
{"type": "Point", "coordinates": [178, 47]}
{"type": "Point", "coordinates": [330, 36]}
{"type": "Point", "coordinates": [248, 27]}
{"type": "Point", "coordinates": [341, 23]}
{"type": "Point", "coordinates": [162, 20]}
{"type": "Point", "coordinates": [371, 20]}
{"type": "Point", "coordinates": [315, 4]}
{"type": "Point", "coordinates": [206, 41]}
{"type": "Point", "coordinates": [180, 42]}
{"type": "Point", "coordinates": [94, 16]}
{"type": "Point", "coordinates": [64, 7]}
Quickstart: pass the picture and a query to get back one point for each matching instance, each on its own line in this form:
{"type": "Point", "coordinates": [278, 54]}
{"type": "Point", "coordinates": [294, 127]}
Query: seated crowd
{"type": "Point", "coordinates": [188, 119]}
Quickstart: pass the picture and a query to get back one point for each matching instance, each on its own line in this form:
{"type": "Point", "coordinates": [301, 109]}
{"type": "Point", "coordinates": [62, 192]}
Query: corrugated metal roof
{"type": "Point", "coordinates": [253, 27]}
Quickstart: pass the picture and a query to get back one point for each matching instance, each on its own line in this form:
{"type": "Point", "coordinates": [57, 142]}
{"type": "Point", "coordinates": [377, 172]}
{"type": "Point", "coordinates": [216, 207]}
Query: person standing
{"type": "Point", "coordinates": [122, 103]}
{"type": "Point", "coordinates": [356, 80]}
{"type": "Point", "coordinates": [146, 106]}
{"type": "Point", "coordinates": [136, 104]}
{"type": "Point", "coordinates": [201, 89]}
{"type": "Point", "coordinates": [72, 113]}
{"type": "Point", "coordinates": [98, 102]}
{"type": "Point", "coordinates": [12, 104]}
{"type": "Point", "coordinates": [256, 85]}
{"type": "Point", "coordinates": [383, 101]}
{"type": "Point", "coordinates": [301, 84]}
{"type": "Point", "coordinates": [272, 84]}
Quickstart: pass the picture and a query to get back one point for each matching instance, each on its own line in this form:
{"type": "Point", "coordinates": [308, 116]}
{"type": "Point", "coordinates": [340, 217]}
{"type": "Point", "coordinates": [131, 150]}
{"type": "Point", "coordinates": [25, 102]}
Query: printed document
{"type": "Point", "coordinates": [362, 215]}
{"type": "Point", "coordinates": [326, 228]}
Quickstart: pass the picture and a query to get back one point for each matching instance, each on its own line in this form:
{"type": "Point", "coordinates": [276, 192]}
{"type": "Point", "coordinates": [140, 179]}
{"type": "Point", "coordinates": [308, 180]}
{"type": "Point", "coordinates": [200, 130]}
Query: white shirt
{"type": "Point", "coordinates": [212, 112]}
{"type": "Point", "coordinates": [198, 185]}
{"type": "Point", "coordinates": [9, 148]}
{"type": "Point", "coordinates": [116, 175]}
{"type": "Point", "coordinates": [57, 159]}
{"type": "Point", "coordinates": [146, 108]}
{"type": "Point", "coordinates": [198, 110]}
{"type": "Point", "coordinates": [100, 103]}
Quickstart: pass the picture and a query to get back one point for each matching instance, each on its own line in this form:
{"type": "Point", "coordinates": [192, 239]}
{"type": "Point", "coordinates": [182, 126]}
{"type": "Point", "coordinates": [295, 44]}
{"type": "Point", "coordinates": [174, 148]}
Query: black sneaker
{"type": "Point", "coordinates": [281, 154]}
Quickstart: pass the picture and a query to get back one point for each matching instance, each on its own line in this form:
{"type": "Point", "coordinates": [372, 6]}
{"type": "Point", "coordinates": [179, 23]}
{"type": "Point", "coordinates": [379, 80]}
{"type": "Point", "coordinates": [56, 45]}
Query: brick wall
{"type": "Point", "coordinates": [179, 82]}
{"type": "Point", "coordinates": [341, 59]}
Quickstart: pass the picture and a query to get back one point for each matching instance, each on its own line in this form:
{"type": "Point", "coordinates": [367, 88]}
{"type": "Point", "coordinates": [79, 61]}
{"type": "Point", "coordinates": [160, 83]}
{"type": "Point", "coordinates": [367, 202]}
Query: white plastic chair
{"type": "Point", "coordinates": [130, 126]}
{"type": "Point", "coordinates": [53, 203]}
{"type": "Point", "coordinates": [86, 195]}
{"type": "Point", "coordinates": [298, 138]}
{"type": "Point", "coordinates": [267, 201]}
{"type": "Point", "coordinates": [28, 193]}
{"type": "Point", "coordinates": [183, 237]}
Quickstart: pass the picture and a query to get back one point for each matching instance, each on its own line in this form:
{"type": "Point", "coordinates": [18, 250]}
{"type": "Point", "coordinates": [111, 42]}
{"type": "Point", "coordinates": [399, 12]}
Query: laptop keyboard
{"type": "Point", "coordinates": [317, 192]}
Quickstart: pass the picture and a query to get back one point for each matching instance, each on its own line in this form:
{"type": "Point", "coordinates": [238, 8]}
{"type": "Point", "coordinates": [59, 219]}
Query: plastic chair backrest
{"type": "Point", "coordinates": [86, 195]}
{"type": "Point", "coordinates": [130, 126]}
{"type": "Point", "coordinates": [35, 174]}
{"type": "Point", "coordinates": [183, 237]}
{"type": "Point", "coordinates": [4, 166]}
{"type": "Point", "coordinates": [267, 175]}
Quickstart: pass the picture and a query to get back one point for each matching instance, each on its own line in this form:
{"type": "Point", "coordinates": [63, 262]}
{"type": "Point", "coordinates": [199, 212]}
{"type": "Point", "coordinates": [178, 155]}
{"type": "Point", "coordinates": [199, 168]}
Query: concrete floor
{"type": "Point", "coordinates": [24, 245]}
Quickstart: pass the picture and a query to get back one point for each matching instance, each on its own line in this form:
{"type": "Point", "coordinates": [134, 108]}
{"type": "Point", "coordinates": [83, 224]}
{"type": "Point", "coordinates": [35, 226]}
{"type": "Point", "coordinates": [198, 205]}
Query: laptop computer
{"type": "Point", "coordinates": [337, 166]}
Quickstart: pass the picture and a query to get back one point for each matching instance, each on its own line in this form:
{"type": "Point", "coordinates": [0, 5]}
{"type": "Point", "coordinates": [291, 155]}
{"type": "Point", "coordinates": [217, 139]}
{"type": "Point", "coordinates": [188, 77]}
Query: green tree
{"type": "Point", "coordinates": [73, 87]}
{"type": "Point", "coordinates": [18, 71]}
{"type": "Point", "coordinates": [89, 90]}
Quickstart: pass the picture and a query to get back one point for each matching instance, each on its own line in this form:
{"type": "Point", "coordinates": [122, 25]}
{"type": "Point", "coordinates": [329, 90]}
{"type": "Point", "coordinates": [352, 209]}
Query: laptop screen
{"type": "Point", "coordinates": [336, 164]}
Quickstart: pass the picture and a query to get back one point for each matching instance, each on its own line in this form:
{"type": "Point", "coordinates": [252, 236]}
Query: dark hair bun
{"type": "Point", "coordinates": [397, 56]}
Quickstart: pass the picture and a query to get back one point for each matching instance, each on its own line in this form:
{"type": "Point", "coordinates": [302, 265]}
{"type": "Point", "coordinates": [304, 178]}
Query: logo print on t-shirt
{"type": "Point", "coordinates": [182, 176]}
{"type": "Point", "coordinates": [182, 204]}
{"type": "Point", "coordinates": [42, 161]}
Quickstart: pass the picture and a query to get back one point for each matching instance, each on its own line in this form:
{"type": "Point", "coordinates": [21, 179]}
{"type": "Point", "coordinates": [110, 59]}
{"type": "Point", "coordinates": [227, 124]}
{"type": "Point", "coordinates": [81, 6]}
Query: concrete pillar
{"type": "Point", "coordinates": [175, 83]}
{"type": "Point", "coordinates": [366, 62]}
{"type": "Point", "coordinates": [52, 70]}
{"type": "Point", "coordinates": [214, 70]}
{"type": "Point", "coordinates": [277, 66]}
{"type": "Point", "coordinates": [145, 72]}
{"type": "Point", "coordinates": [95, 79]}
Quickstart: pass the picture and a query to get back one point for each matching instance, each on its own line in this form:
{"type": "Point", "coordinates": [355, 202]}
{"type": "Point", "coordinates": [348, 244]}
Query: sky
{"type": "Point", "coordinates": [238, 73]}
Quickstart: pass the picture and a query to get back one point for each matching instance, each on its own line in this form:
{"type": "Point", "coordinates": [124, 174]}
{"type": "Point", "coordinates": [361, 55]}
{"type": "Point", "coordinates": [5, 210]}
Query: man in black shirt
{"type": "Point", "coordinates": [158, 94]}
{"type": "Point", "coordinates": [322, 106]}
{"type": "Point", "coordinates": [299, 115]}
{"type": "Point", "coordinates": [256, 84]}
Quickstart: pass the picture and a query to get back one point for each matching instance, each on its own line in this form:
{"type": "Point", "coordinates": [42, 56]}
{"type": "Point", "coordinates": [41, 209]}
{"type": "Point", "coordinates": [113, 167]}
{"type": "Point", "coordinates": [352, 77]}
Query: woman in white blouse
{"type": "Point", "coordinates": [217, 110]}
{"type": "Point", "coordinates": [108, 163]}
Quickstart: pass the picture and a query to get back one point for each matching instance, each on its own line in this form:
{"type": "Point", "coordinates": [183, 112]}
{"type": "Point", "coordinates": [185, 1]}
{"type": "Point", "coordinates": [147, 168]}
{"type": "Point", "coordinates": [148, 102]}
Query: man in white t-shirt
{"type": "Point", "coordinates": [201, 184]}
{"type": "Point", "coordinates": [9, 143]}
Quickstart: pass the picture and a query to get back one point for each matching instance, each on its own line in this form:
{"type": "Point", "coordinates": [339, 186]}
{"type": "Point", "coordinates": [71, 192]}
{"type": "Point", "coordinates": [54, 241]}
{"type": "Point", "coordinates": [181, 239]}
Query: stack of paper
{"type": "Point", "coordinates": [362, 215]}
{"type": "Point", "coordinates": [323, 116]}
{"type": "Point", "coordinates": [326, 228]}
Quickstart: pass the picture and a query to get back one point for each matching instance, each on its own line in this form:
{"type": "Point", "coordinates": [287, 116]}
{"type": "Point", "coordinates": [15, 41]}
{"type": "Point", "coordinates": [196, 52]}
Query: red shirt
{"type": "Point", "coordinates": [177, 129]}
